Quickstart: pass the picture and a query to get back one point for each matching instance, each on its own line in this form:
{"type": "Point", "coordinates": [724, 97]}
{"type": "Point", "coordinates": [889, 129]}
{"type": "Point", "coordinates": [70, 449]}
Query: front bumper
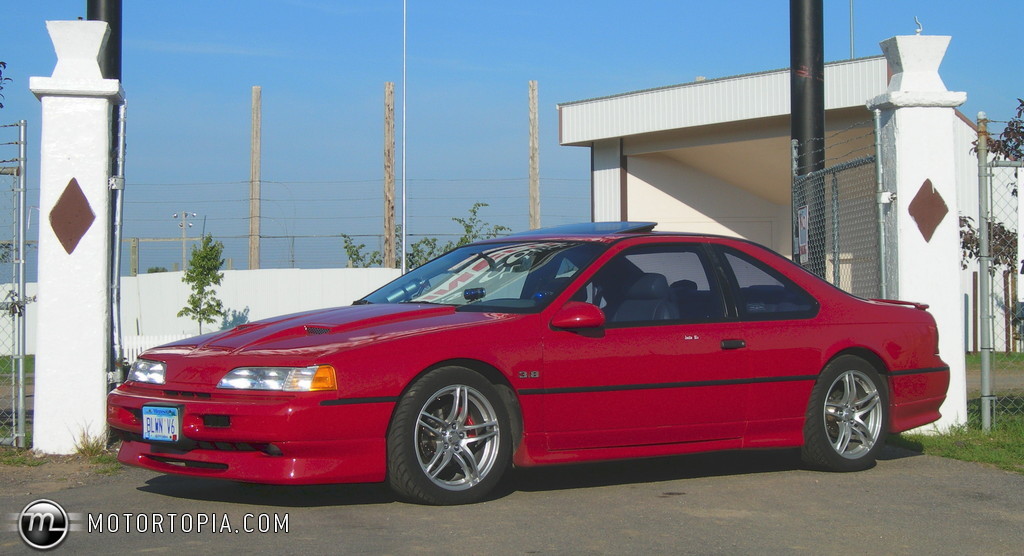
{"type": "Point", "coordinates": [254, 437]}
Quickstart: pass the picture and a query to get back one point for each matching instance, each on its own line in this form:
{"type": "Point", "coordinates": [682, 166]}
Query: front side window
{"type": "Point", "coordinates": [501, 277]}
{"type": "Point", "coordinates": [656, 284]}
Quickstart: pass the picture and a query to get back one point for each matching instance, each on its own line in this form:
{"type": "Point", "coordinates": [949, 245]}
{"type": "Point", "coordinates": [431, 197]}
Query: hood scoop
{"type": "Point", "coordinates": [316, 329]}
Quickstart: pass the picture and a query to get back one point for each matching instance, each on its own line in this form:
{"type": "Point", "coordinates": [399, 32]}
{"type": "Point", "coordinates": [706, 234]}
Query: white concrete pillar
{"type": "Point", "coordinates": [607, 176]}
{"type": "Point", "coordinates": [922, 230]}
{"type": "Point", "coordinates": [73, 324]}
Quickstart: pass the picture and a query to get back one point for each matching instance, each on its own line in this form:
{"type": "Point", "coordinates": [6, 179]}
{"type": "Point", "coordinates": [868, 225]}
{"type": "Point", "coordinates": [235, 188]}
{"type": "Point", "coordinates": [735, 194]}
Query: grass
{"type": "Point", "coordinates": [998, 359]}
{"type": "Point", "coordinates": [9, 366]}
{"type": "Point", "coordinates": [1002, 447]}
{"type": "Point", "coordinates": [91, 446]}
{"type": "Point", "coordinates": [16, 457]}
{"type": "Point", "coordinates": [106, 463]}
{"type": "Point", "coordinates": [101, 457]}
{"type": "Point", "coordinates": [96, 450]}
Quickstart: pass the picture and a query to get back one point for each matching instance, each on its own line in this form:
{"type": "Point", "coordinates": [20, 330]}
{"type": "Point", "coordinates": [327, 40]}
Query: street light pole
{"type": "Point", "coordinates": [184, 225]}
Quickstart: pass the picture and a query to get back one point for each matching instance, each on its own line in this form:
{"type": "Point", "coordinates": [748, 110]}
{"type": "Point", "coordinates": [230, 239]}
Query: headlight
{"type": "Point", "coordinates": [284, 379]}
{"type": "Point", "coordinates": [144, 370]}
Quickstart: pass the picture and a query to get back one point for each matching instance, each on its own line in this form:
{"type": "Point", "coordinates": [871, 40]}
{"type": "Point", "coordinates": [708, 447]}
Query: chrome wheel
{"type": "Point", "coordinates": [457, 437]}
{"type": "Point", "coordinates": [853, 414]}
{"type": "Point", "coordinates": [847, 416]}
{"type": "Point", "coordinates": [450, 438]}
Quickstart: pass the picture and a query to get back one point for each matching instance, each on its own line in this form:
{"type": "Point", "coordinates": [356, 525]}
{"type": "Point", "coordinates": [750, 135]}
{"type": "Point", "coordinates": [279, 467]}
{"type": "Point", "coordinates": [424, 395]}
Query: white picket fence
{"type": "Point", "coordinates": [134, 345]}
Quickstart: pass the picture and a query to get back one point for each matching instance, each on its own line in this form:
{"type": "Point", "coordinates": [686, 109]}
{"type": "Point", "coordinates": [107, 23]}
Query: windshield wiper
{"type": "Point", "coordinates": [362, 302]}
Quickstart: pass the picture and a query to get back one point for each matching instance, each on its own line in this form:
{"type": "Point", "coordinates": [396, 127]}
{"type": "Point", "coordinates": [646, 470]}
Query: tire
{"type": "Point", "coordinates": [847, 417]}
{"type": "Point", "coordinates": [450, 439]}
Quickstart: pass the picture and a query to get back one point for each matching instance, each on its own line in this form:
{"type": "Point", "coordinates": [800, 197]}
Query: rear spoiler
{"type": "Point", "coordinates": [914, 304]}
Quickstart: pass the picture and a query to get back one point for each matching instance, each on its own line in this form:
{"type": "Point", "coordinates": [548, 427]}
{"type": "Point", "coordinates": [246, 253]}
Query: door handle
{"type": "Point", "coordinates": [733, 344]}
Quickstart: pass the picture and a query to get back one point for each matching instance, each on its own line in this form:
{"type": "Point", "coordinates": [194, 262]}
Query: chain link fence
{"type": "Point", "coordinates": [1002, 390]}
{"type": "Point", "coordinates": [12, 358]}
{"type": "Point", "coordinates": [835, 213]}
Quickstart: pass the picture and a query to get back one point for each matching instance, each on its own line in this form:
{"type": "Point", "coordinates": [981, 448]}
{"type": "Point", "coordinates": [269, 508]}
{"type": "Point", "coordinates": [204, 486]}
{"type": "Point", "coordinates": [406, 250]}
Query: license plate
{"type": "Point", "coordinates": [160, 423]}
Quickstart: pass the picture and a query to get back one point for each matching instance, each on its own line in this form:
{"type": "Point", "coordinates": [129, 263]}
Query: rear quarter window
{"type": "Point", "coordinates": [762, 293]}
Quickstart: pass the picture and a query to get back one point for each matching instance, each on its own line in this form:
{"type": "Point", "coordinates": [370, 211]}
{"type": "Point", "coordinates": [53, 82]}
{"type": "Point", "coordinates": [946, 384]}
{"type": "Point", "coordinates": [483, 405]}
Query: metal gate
{"type": "Point", "coordinates": [13, 371]}
{"type": "Point", "coordinates": [993, 239]}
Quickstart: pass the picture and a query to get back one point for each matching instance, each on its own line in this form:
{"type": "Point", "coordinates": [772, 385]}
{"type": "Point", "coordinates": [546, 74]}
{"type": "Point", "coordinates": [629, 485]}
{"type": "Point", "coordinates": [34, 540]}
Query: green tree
{"type": "Point", "coordinates": [1010, 142]}
{"type": "Point", "coordinates": [1002, 241]}
{"type": "Point", "coordinates": [473, 228]}
{"type": "Point", "coordinates": [203, 273]}
{"type": "Point", "coordinates": [356, 254]}
{"type": "Point", "coordinates": [3, 66]}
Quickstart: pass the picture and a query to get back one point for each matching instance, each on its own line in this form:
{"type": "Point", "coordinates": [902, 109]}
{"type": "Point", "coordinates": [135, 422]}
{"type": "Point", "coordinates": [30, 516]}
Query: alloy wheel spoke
{"type": "Point", "coordinates": [477, 427]}
{"type": "Point", "coordinates": [438, 454]}
{"type": "Point", "coordinates": [867, 403]}
{"type": "Point", "coordinates": [863, 433]}
{"type": "Point", "coordinates": [843, 438]}
{"type": "Point", "coordinates": [432, 423]}
{"type": "Point", "coordinates": [460, 405]}
{"type": "Point", "coordinates": [457, 394]}
{"type": "Point", "coordinates": [483, 435]}
{"type": "Point", "coordinates": [468, 463]}
{"type": "Point", "coordinates": [849, 387]}
{"type": "Point", "coordinates": [439, 462]}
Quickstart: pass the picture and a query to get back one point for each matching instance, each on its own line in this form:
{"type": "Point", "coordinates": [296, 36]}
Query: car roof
{"type": "Point", "coordinates": [591, 231]}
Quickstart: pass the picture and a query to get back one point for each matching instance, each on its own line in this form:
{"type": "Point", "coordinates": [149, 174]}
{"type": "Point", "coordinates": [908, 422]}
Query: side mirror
{"type": "Point", "coordinates": [576, 315]}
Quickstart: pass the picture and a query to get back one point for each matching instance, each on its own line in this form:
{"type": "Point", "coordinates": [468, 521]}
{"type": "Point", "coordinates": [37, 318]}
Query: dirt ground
{"type": "Point", "coordinates": [1004, 382]}
{"type": "Point", "coordinates": [55, 473]}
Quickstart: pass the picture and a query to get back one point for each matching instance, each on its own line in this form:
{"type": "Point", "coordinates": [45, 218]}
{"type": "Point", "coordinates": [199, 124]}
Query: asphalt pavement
{"type": "Point", "coordinates": [730, 503]}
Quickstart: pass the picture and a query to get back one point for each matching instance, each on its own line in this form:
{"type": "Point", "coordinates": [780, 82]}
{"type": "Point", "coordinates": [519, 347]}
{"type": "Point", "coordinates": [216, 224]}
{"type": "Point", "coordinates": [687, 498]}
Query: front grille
{"type": "Point", "coordinates": [188, 463]}
{"type": "Point", "coordinates": [184, 394]}
{"type": "Point", "coordinates": [231, 446]}
{"type": "Point", "coordinates": [185, 445]}
{"type": "Point", "coordinates": [217, 421]}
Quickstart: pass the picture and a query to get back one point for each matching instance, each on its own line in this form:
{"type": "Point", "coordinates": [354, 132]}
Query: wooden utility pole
{"type": "Point", "coordinates": [254, 180]}
{"type": "Point", "coordinates": [534, 161]}
{"type": "Point", "coordinates": [389, 175]}
{"type": "Point", "coordinates": [133, 265]}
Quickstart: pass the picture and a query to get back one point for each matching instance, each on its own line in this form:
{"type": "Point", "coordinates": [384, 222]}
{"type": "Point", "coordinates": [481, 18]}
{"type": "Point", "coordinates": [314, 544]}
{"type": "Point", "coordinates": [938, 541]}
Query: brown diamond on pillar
{"type": "Point", "coordinates": [928, 209]}
{"type": "Point", "coordinates": [71, 216]}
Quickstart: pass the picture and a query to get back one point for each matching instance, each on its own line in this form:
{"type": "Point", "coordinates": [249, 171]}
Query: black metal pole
{"type": "Point", "coordinates": [109, 11]}
{"type": "Point", "coordinates": [110, 68]}
{"type": "Point", "coordinates": [807, 82]}
{"type": "Point", "coordinates": [807, 112]}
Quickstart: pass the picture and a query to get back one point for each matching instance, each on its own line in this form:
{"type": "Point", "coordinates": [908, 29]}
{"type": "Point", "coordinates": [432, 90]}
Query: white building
{"type": "Point", "coordinates": [715, 156]}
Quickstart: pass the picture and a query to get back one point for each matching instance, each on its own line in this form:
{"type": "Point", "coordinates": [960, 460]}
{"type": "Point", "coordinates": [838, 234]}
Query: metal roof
{"type": "Point", "coordinates": [757, 95]}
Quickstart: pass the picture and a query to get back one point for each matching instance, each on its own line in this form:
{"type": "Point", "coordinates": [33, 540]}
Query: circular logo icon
{"type": "Point", "coordinates": [43, 524]}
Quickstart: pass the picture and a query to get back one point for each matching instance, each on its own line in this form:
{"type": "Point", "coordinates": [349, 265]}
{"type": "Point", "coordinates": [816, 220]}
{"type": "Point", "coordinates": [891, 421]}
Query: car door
{"type": "Point", "coordinates": [667, 367]}
{"type": "Point", "coordinates": [783, 346]}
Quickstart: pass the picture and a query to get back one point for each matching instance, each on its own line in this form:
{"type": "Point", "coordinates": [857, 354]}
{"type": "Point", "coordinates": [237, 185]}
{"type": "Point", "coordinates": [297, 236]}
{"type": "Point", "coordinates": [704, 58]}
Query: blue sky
{"type": "Point", "coordinates": [189, 67]}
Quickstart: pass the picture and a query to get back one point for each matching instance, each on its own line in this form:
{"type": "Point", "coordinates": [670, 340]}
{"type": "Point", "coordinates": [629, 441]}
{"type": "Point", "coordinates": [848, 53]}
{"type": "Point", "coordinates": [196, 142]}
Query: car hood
{"type": "Point", "coordinates": [313, 333]}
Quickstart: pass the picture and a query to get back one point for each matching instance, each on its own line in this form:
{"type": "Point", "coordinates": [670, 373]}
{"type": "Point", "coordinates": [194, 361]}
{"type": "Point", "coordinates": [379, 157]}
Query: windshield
{"type": "Point", "coordinates": [502, 277]}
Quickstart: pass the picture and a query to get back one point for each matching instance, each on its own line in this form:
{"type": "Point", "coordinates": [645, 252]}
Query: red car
{"type": "Point", "coordinates": [579, 343]}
